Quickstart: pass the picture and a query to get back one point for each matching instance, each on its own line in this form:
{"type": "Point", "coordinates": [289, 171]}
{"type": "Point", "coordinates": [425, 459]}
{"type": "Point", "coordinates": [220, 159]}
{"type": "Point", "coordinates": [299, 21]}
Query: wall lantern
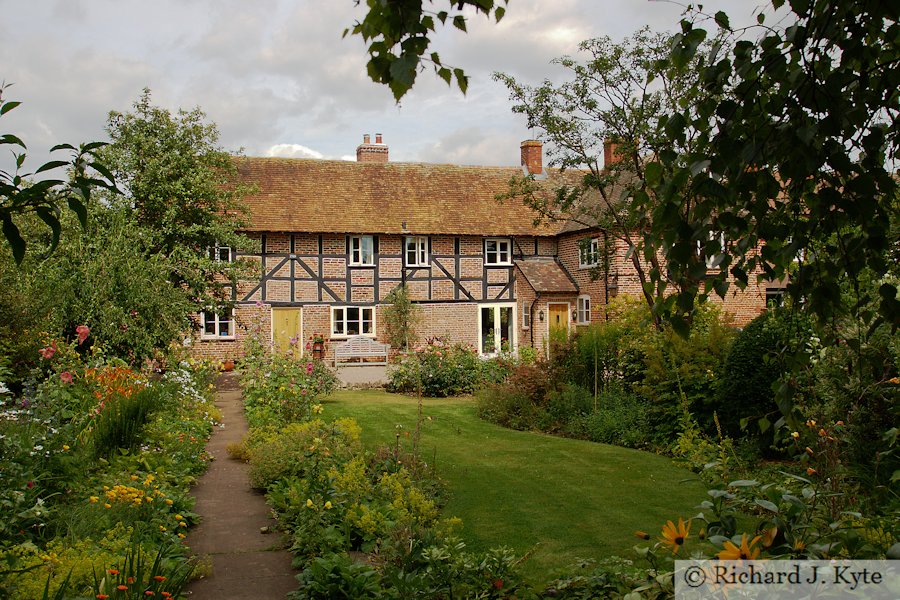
{"type": "Point", "coordinates": [541, 315]}
{"type": "Point", "coordinates": [575, 315]}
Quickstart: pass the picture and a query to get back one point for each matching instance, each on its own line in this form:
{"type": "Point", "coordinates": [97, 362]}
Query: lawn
{"type": "Point", "coordinates": [558, 499]}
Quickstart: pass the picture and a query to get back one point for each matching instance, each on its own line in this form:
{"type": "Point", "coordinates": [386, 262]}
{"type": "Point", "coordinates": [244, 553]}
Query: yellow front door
{"type": "Point", "coordinates": [559, 323]}
{"type": "Point", "coordinates": [287, 325]}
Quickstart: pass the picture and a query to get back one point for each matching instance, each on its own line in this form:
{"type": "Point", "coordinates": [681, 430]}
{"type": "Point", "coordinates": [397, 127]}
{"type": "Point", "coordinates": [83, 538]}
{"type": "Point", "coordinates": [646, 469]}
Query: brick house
{"type": "Point", "coordinates": [333, 238]}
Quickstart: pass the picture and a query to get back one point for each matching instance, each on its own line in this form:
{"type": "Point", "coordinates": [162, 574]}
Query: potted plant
{"type": "Point", "coordinates": [317, 345]}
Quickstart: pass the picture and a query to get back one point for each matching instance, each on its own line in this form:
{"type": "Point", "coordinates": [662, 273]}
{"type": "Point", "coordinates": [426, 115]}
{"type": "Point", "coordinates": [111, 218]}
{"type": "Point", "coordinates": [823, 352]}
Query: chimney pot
{"type": "Point", "coordinates": [531, 157]}
{"type": "Point", "coordinates": [369, 152]}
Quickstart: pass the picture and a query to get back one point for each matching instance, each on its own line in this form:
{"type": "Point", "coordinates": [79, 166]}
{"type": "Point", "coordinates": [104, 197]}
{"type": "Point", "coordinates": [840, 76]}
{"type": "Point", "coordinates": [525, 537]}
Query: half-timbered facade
{"type": "Point", "coordinates": [333, 238]}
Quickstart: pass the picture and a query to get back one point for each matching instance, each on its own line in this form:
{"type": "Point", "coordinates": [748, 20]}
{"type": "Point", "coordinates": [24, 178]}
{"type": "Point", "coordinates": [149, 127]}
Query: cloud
{"type": "Point", "coordinates": [293, 151]}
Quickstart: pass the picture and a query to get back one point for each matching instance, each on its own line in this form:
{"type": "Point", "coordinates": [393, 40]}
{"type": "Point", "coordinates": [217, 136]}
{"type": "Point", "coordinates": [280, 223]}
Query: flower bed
{"type": "Point", "coordinates": [97, 464]}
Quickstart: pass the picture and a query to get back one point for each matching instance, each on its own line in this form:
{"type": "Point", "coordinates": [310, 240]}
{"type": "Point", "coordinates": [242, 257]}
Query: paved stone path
{"type": "Point", "coordinates": [246, 563]}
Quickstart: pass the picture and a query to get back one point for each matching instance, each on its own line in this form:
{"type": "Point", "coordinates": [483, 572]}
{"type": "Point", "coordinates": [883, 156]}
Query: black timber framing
{"type": "Point", "coordinates": [436, 261]}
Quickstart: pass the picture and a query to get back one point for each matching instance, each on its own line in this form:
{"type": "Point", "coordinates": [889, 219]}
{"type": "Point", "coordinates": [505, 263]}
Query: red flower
{"type": "Point", "coordinates": [122, 587]}
{"type": "Point", "coordinates": [113, 571]}
{"type": "Point", "coordinates": [66, 377]}
{"type": "Point", "coordinates": [498, 584]}
{"type": "Point", "coordinates": [83, 332]}
{"type": "Point", "coordinates": [48, 352]}
{"type": "Point", "coordinates": [102, 596]}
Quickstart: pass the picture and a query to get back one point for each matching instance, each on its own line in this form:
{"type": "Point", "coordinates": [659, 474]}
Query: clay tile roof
{"type": "Point", "coordinates": [546, 275]}
{"type": "Point", "coordinates": [329, 196]}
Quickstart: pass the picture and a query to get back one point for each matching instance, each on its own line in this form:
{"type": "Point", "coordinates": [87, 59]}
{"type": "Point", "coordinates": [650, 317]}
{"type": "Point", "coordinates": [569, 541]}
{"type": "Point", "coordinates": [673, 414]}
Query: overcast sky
{"type": "Point", "coordinates": [278, 79]}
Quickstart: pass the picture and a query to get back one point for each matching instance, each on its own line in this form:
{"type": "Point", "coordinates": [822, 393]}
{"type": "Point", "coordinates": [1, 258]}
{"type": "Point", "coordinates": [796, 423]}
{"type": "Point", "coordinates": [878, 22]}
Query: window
{"type": "Point", "coordinates": [712, 257]}
{"type": "Point", "coordinates": [497, 251]}
{"type": "Point", "coordinates": [362, 251]}
{"type": "Point", "coordinates": [496, 328]}
{"type": "Point", "coordinates": [584, 310]}
{"type": "Point", "coordinates": [220, 253]}
{"type": "Point", "coordinates": [216, 325]}
{"type": "Point", "coordinates": [589, 253]}
{"type": "Point", "coordinates": [352, 320]}
{"type": "Point", "coordinates": [774, 297]}
{"type": "Point", "coordinates": [526, 317]}
{"type": "Point", "coordinates": [416, 251]}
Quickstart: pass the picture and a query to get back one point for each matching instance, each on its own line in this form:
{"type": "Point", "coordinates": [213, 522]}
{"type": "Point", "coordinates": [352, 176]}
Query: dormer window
{"type": "Point", "coordinates": [497, 251]}
{"type": "Point", "coordinates": [588, 253]}
{"type": "Point", "coordinates": [416, 251]}
{"type": "Point", "coordinates": [362, 251]}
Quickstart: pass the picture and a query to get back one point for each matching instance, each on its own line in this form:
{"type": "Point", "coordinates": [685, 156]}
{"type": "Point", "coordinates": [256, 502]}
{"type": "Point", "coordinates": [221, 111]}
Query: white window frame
{"type": "Point", "coordinates": [342, 321]}
{"type": "Point", "coordinates": [215, 253]}
{"type": "Point", "coordinates": [591, 253]}
{"type": "Point", "coordinates": [357, 250]}
{"type": "Point", "coordinates": [498, 338]}
{"type": "Point", "coordinates": [496, 257]}
{"type": "Point", "coordinates": [583, 310]}
{"type": "Point", "coordinates": [710, 260]}
{"type": "Point", "coordinates": [526, 317]}
{"type": "Point", "coordinates": [217, 322]}
{"type": "Point", "coordinates": [417, 246]}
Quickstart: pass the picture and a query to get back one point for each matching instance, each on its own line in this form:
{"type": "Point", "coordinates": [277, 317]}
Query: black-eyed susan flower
{"type": "Point", "coordinates": [746, 551]}
{"type": "Point", "coordinates": [675, 536]}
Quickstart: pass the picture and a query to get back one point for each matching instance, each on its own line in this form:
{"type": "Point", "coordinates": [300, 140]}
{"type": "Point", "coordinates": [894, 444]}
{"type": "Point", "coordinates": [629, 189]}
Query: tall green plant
{"type": "Point", "coordinates": [400, 318]}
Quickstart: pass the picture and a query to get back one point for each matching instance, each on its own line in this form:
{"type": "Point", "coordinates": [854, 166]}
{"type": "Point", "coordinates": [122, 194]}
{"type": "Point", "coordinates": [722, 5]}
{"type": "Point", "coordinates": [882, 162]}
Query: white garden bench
{"type": "Point", "coordinates": [362, 348]}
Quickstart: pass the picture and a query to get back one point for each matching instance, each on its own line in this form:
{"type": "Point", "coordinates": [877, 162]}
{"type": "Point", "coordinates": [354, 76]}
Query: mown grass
{"type": "Point", "coordinates": [558, 499]}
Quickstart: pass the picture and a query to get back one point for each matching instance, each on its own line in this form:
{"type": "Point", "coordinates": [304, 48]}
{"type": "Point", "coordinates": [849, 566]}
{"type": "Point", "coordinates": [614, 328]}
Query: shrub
{"type": "Point", "coordinates": [283, 388]}
{"type": "Point", "coordinates": [438, 368]}
{"type": "Point", "coordinates": [677, 368]}
{"type": "Point", "coordinates": [753, 365]}
{"type": "Point", "coordinates": [620, 419]}
{"type": "Point", "coordinates": [301, 448]}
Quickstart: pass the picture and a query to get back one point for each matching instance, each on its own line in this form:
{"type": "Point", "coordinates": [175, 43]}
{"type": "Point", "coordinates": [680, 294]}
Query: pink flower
{"type": "Point", "coordinates": [83, 332]}
{"type": "Point", "coordinates": [309, 368]}
{"type": "Point", "coordinates": [308, 346]}
{"type": "Point", "coordinates": [66, 377]}
{"type": "Point", "coordinates": [48, 352]}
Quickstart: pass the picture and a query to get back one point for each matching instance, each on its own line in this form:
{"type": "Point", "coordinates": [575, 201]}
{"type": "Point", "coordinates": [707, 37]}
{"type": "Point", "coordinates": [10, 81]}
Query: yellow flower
{"type": "Point", "coordinates": [107, 505]}
{"type": "Point", "coordinates": [795, 435]}
{"type": "Point", "coordinates": [181, 535]}
{"type": "Point", "coordinates": [675, 536]}
{"type": "Point", "coordinates": [317, 409]}
{"type": "Point", "coordinates": [745, 552]}
{"type": "Point", "coordinates": [309, 503]}
{"type": "Point", "coordinates": [134, 477]}
{"type": "Point", "coordinates": [182, 524]}
{"type": "Point", "coordinates": [328, 505]}
{"type": "Point", "coordinates": [94, 499]}
{"type": "Point", "coordinates": [65, 447]}
{"type": "Point", "coordinates": [169, 501]}
{"type": "Point", "coordinates": [642, 535]}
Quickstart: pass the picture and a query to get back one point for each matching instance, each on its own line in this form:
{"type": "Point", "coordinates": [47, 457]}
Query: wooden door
{"type": "Point", "coordinates": [559, 323]}
{"type": "Point", "coordinates": [287, 325]}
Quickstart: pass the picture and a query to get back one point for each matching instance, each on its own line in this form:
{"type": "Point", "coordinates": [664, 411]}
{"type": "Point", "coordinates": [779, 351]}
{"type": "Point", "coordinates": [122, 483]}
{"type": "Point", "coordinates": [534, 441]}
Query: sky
{"type": "Point", "coordinates": [278, 79]}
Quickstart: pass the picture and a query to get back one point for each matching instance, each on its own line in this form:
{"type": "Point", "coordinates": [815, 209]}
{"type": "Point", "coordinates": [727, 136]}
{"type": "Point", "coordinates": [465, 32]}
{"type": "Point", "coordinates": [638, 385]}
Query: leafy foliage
{"type": "Point", "coordinates": [20, 194]}
{"type": "Point", "coordinates": [398, 36]}
{"type": "Point", "coordinates": [181, 188]}
{"type": "Point", "coordinates": [792, 137]}
{"type": "Point", "coordinates": [400, 317]}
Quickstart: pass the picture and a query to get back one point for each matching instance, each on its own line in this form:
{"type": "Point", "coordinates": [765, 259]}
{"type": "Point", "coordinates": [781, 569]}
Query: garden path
{"type": "Point", "coordinates": [246, 563]}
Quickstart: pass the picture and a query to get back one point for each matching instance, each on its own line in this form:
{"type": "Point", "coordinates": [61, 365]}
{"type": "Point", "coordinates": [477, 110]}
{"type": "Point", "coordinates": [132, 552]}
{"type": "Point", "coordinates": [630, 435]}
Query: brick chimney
{"type": "Point", "coordinates": [531, 157]}
{"type": "Point", "coordinates": [611, 154]}
{"type": "Point", "coordinates": [369, 152]}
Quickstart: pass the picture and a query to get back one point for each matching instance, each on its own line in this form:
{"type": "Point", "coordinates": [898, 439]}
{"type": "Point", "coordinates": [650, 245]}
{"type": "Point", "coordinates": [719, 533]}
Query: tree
{"type": "Point", "coordinates": [21, 195]}
{"type": "Point", "coordinates": [397, 32]}
{"type": "Point", "coordinates": [401, 318]}
{"type": "Point", "coordinates": [610, 107]}
{"type": "Point", "coordinates": [180, 188]}
{"type": "Point", "coordinates": [792, 137]}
